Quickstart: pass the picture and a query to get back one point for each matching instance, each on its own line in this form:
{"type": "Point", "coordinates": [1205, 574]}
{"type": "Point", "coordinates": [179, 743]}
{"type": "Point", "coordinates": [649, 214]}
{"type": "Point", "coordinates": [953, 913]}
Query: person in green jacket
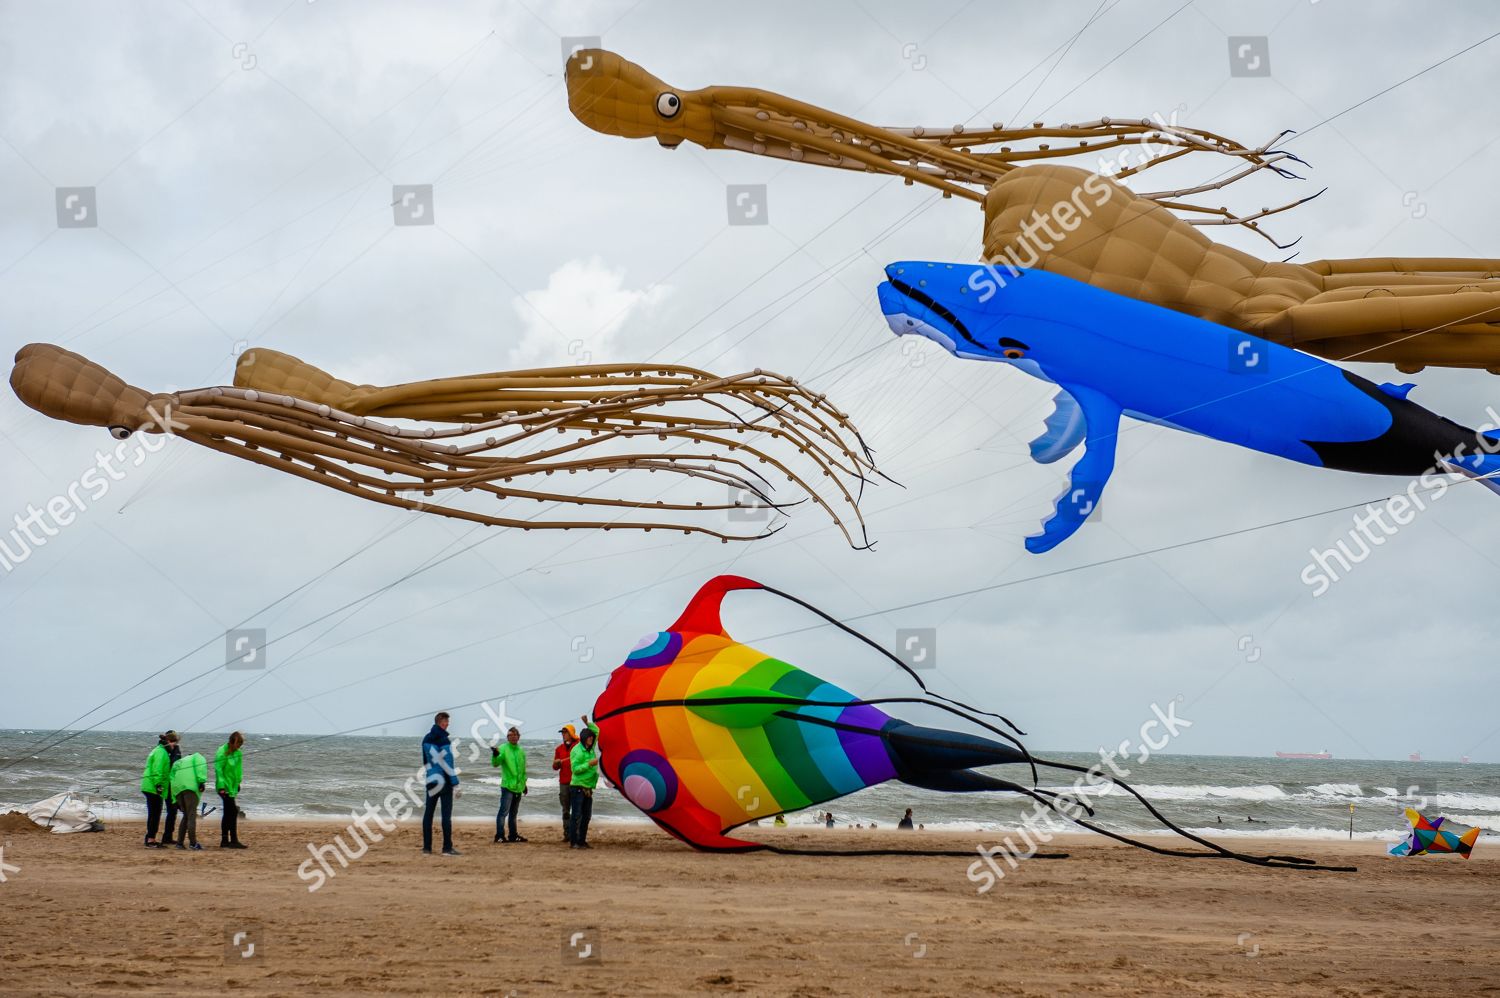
{"type": "Point", "coordinates": [229, 773]}
{"type": "Point", "coordinates": [510, 758]}
{"type": "Point", "coordinates": [169, 830]}
{"type": "Point", "coordinates": [585, 764]}
{"type": "Point", "coordinates": [154, 783]}
{"type": "Point", "coordinates": [189, 777]}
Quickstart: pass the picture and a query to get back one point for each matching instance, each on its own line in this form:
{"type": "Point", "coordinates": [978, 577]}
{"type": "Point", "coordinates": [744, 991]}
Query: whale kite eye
{"type": "Point", "coordinates": [668, 104]}
{"type": "Point", "coordinates": [120, 432]}
{"type": "Point", "coordinates": [1012, 349]}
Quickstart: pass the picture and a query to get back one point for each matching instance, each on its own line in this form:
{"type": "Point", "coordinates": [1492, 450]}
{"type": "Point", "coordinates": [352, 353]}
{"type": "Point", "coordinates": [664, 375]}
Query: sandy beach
{"type": "Point", "coordinates": [97, 913]}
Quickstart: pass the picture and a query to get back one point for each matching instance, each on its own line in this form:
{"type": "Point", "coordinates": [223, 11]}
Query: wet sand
{"type": "Point", "coordinates": [98, 913]}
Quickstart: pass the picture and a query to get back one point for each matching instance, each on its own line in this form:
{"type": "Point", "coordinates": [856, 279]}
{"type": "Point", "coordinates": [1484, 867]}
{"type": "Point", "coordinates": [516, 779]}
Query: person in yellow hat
{"type": "Point", "coordinates": [562, 762]}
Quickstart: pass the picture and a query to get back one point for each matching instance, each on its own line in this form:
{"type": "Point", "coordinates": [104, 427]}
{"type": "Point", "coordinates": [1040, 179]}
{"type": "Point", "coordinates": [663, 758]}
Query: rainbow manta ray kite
{"type": "Point", "coordinates": [705, 734]}
{"type": "Point", "coordinates": [1432, 835]}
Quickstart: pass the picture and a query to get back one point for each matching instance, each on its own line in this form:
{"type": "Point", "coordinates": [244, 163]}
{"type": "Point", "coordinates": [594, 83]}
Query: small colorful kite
{"type": "Point", "coordinates": [705, 734]}
{"type": "Point", "coordinates": [1433, 835]}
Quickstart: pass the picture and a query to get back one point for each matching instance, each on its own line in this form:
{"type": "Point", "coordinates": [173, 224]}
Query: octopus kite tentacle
{"type": "Point", "coordinates": [487, 433]}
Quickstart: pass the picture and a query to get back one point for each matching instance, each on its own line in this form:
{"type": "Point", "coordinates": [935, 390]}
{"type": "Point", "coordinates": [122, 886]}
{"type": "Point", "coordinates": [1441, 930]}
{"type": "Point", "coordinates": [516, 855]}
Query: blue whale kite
{"type": "Point", "coordinates": [1111, 355]}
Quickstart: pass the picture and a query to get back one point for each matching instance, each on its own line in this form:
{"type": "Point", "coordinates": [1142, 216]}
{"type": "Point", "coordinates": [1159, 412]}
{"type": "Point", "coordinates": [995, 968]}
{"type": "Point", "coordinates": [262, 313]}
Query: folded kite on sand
{"type": "Point", "coordinates": [62, 814]}
{"type": "Point", "coordinates": [497, 433]}
{"type": "Point", "coordinates": [1430, 836]}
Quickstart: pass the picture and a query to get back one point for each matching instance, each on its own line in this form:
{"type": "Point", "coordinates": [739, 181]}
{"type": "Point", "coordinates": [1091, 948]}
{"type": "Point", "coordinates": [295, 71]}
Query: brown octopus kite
{"type": "Point", "coordinates": [493, 434]}
{"type": "Point", "coordinates": [1407, 312]}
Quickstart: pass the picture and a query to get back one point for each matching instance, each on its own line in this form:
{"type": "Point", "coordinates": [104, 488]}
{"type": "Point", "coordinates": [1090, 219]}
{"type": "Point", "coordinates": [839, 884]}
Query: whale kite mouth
{"type": "Point", "coordinates": [909, 310]}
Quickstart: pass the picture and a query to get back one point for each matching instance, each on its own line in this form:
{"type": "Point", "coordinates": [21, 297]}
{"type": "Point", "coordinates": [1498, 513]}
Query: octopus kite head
{"type": "Point", "coordinates": [61, 384]}
{"type": "Point", "coordinates": [615, 96]}
{"type": "Point", "coordinates": [962, 307]}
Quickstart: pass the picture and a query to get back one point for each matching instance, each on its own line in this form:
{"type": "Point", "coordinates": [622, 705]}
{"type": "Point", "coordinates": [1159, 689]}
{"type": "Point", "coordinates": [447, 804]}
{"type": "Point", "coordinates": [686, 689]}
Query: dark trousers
{"type": "Point", "coordinates": [565, 796]}
{"type": "Point", "coordinates": [581, 804]}
{"type": "Point", "coordinates": [229, 822]}
{"type": "Point", "coordinates": [153, 815]}
{"type": "Point", "coordinates": [510, 804]}
{"type": "Point", "coordinates": [171, 826]}
{"type": "Point", "coordinates": [445, 797]}
{"type": "Point", "coordinates": [187, 803]}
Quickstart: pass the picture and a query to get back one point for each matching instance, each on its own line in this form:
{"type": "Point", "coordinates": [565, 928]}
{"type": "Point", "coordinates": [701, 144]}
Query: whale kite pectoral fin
{"type": "Point", "coordinates": [1397, 391]}
{"type": "Point", "coordinates": [1065, 430]}
{"type": "Point", "coordinates": [1087, 479]}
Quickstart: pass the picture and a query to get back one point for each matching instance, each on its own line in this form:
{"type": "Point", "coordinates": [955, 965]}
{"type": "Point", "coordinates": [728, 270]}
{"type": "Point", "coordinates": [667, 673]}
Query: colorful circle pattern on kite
{"type": "Point", "coordinates": [648, 780]}
{"type": "Point", "coordinates": [655, 650]}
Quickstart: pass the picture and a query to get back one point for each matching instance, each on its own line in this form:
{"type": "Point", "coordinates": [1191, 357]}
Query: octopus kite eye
{"type": "Point", "coordinates": [120, 432]}
{"type": "Point", "coordinates": [1015, 354]}
{"type": "Point", "coordinates": [668, 104]}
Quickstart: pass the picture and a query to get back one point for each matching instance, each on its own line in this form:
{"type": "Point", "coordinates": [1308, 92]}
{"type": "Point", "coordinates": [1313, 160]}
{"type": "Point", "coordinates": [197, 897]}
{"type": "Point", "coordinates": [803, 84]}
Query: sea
{"type": "Point", "coordinates": [322, 778]}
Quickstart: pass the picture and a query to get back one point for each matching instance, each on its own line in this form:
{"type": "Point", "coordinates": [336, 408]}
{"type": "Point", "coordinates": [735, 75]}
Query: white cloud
{"type": "Point", "coordinates": [577, 317]}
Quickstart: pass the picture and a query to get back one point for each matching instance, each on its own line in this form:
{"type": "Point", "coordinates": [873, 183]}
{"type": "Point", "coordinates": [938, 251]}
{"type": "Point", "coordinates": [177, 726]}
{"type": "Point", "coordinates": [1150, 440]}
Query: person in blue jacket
{"type": "Point", "coordinates": [442, 777]}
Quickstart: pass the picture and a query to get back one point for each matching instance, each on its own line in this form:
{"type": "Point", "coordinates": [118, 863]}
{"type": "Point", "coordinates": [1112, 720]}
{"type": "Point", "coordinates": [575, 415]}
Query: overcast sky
{"type": "Point", "coordinates": [243, 157]}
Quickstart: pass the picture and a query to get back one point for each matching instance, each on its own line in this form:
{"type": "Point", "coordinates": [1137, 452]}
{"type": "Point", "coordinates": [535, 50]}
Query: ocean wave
{"type": "Point", "coordinates": [1257, 792]}
{"type": "Point", "coordinates": [1468, 801]}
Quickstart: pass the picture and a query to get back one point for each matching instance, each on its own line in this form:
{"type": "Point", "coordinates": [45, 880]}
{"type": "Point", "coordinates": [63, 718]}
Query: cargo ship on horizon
{"type": "Point", "coordinates": [1325, 754]}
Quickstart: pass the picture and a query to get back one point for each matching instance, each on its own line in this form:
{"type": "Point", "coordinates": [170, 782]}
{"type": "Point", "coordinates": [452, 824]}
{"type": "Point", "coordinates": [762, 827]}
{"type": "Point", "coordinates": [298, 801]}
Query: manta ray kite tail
{"type": "Point", "coordinates": [1111, 356]}
{"type": "Point", "coordinates": [704, 734]}
{"type": "Point", "coordinates": [509, 435]}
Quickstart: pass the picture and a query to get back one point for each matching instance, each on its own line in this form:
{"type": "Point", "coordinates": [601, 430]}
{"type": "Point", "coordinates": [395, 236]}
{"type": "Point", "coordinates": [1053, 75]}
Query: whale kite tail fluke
{"type": "Point", "coordinates": [1482, 467]}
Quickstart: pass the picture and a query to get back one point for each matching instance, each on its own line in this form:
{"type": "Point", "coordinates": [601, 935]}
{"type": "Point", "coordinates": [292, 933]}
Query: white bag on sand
{"type": "Point", "coordinates": [65, 812]}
